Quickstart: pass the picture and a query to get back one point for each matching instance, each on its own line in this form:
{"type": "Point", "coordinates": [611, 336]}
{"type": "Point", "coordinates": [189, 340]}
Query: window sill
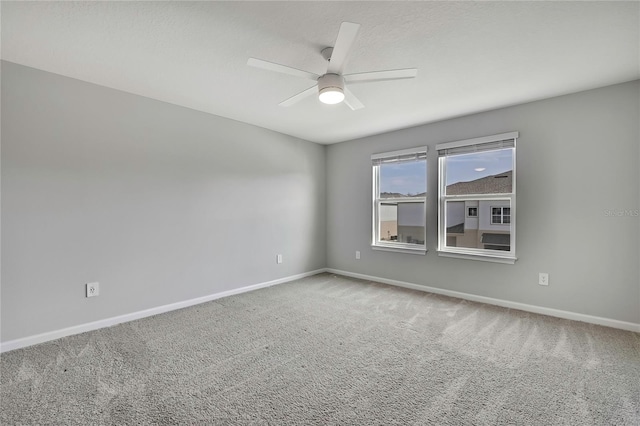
{"type": "Point", "coordinates": [481, 257]}
{"type": "Point", "coordinates": [420, 251]}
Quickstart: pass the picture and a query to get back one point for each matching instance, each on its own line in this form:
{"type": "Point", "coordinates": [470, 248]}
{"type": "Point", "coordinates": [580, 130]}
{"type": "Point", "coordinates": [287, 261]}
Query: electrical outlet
{"type": "Point", "coordinates": [543, 278]}
{"type": "Point", "coordinates": [93, 289]}
{"type": "Point", "coordinates": [357, 254]}
{"type": "Point", "coordinates": [279, 258]}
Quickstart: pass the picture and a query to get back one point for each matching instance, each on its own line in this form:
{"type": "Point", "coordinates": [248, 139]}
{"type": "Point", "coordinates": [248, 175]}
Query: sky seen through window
{"type": "Point", "coordinates": [410, 178]}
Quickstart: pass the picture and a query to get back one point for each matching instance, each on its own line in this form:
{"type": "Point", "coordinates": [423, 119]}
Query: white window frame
{"type": "Point", "coordinates": [469, 210]}
{"type": "Point", "coordinates": [476, 253]}
{"type": "Point", "coordinates": [390, 157]}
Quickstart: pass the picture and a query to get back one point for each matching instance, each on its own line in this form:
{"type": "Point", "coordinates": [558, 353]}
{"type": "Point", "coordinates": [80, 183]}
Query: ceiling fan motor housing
{"type": "Point", "coordinates": [330, 82]}
{"type": "Point", "coordinates": [331, 89]}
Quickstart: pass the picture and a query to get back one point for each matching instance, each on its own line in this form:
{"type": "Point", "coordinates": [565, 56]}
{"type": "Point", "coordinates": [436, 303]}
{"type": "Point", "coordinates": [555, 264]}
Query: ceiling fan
{"type": "Point", "coordinates": [331, 86]}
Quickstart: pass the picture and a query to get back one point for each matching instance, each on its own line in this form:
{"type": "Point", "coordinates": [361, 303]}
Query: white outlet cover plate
{"type": "Point", "coordinates": [93, 289]}
{"type": "Point", "coordinates": [543, 278]}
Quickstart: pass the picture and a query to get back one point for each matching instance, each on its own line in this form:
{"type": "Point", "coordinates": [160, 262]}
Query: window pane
{"type": "Point", "coordinates": [402, 222]}
{"type": "Point", "coordinates": [411, 219]}
{"type": "Point", "coordinates": [403, 179]}
{"type": "Point", "coordinates": [388, 222]}
{"type": "Point", "coordinates": [488, 230]}
{"type": "Point", "coordinates": [488, 172]}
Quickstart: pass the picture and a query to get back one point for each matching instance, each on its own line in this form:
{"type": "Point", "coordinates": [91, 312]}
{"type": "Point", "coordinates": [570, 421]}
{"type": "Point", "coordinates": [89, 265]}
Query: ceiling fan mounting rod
{"type": "Point", "coordinates": [326, 53]}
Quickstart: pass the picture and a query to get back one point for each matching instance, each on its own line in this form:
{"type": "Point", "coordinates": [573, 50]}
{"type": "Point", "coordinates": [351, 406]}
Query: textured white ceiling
{"type": "Point", "coordinates": [471, 56]}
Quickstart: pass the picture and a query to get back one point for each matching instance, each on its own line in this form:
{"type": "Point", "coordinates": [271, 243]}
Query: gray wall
{"type": "Point", "coordinates": [162, 204]}
{"type": "Point", "coordinates": [577, 160]}
{"type": "Point", "coordinates": [156, 202]}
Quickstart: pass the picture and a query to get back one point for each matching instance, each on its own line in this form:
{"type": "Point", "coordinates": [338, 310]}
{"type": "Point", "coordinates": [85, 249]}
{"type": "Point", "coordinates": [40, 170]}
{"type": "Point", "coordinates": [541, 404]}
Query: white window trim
{"type": "Point", "coordinates": [399, 249]}
{"type": "Point", "coordinates": [478, 256]}
{"type": "Point", "coordinates": [390, 246]}
{"type": "Point", "coordinates": [470, 253]}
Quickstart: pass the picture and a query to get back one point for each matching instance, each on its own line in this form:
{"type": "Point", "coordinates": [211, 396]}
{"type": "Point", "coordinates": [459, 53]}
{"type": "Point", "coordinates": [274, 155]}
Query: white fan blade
{"type": "Point", "coordinates": [300, 96]}
{"type": "Point", "coordinates": [381, 75]}
{"type": "Point", "coordinates": [346, 37]}
{"type": "Point", "coordinates": [351, 100]}
{"type": "Point", "coordinates": [271, 66]}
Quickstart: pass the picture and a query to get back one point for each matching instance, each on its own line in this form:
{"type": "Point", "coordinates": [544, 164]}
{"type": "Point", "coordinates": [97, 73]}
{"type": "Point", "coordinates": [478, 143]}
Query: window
{"type": "Point", "coordinates": [500, 215]}
{"type": "Point", "coordinates": [399, 200]}
{"type": "Point", "coordinates": [477, 198]}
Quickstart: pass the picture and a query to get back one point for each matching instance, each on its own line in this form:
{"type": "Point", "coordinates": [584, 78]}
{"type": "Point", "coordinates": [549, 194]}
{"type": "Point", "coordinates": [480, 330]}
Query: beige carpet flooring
{"type": "Point", "coordinates": [330, 350]}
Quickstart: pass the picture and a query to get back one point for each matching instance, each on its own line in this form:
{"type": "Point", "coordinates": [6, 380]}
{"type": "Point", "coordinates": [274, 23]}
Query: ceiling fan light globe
{"type": "Point", "coordinates": [331, 95]}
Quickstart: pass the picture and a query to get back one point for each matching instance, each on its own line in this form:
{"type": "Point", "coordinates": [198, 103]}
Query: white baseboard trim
{"type": "Point", "coordinates": [108, 322]}
{"type": "Point", "coordinates": [630, 326]}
